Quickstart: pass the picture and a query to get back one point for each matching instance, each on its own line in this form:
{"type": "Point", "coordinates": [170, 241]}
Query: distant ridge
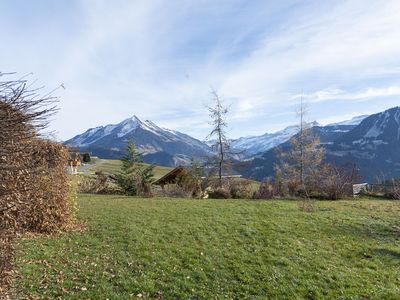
{"type": "Point", "coordinates": [371, 142]}
{"type": "Point", "coordinates": [373, 146]}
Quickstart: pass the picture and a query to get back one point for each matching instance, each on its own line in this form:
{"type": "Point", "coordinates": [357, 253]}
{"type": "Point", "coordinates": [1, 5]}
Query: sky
{"type": "Point", "coordinates": [159, 60]}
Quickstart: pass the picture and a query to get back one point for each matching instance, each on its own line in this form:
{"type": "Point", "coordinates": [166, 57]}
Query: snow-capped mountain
{"type": "Point", "coordinates": [381, 128]}
{"type": "Point", "coordinates": [159, 145]}
{"type": "Point", "coordinates": [371, 142]}
{"type": "Point", "coordinates": [373, 146]}
{"type": "Point", "coordinates": [252, 145]}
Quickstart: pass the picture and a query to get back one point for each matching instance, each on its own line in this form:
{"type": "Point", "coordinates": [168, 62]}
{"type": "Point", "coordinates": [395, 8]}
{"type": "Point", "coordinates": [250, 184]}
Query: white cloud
{"type": "Point", "coordinates": [338, 94]}
{"type": "Point", "coordinates": [158, 59]}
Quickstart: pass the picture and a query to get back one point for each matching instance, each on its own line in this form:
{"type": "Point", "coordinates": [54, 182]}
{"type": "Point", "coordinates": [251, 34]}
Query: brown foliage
{"type": "Point", "coordinates": [6, 259]}
{"type": "Point", "coordinates": [50, 208]}
{"type": "Point", "coordinates": [265, 191]}
{"type": "Point", "coordinates": [335, 182]}
{"type": "Point", "coordinates": [99, 184]}
{"type": "Point", "coordinates": [300, 164]}
{"type": "Point", "coordinates": [303, 173]}
{"type": "Point", "coordinates": [392, 191]}
{"type": "Point", "coordinates": [241, 189]}
{"type": "Point", "coordinates": [219, 193]}
{"type": "Point", "coordinates": [190, 183]}
{"type": "Point", "coordinates": [174, 191]}
{"type": "Point", "coordinates": [34, 190]}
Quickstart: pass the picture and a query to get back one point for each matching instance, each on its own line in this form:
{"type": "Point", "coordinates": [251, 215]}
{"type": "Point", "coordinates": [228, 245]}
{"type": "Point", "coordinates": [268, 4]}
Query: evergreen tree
{"type": "Point", "coordinates": [86, 157]}
{"type": "Point", "coordinates": [135, 177]}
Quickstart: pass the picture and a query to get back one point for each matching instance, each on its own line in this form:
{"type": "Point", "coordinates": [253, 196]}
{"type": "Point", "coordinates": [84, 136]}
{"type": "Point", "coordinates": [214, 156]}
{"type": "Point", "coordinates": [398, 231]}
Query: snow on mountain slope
{"type": "Point", "coordinates": [354, 121]}
{"type": "Point", "coordinates": [254, 145]}
{"type": "Point", "coordinates": [383, 126]}
{"type": "Point", "coordinates": [167, 147]}
{"type": "Point", "coordinates": [373, 146]}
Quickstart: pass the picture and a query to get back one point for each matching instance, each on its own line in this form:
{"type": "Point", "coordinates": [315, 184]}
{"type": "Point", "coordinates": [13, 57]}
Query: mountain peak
{"type": "Point", "coordinates": [159, 145]}
{"type": "Point", "coordinates": [133, 119]}
{"type": "Point", "coordinates": [128, 125]}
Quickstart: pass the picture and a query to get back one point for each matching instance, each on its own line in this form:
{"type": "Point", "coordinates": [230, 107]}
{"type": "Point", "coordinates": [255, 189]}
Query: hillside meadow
{"type": "Point", "coordinates": [214, 249]}
{"type": "Point", "coordinates": [113, 166]}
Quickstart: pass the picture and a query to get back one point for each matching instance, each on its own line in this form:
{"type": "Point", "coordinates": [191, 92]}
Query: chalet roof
{"type": "Point", "coordinates": [170, 177]}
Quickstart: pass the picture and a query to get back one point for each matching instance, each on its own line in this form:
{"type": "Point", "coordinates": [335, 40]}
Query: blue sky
{"type": "Point", "coordinates": [159, 59]}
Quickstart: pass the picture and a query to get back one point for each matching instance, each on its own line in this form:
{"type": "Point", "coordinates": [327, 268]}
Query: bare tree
{"type": "Point", "coordinates": [396, 189]}
{"type": "Point", "coordinates": [300, 164]}
{"type": "Point", "coordinates": [302, 138]}
{"type": "Point", "coordinates": [336, 181]}
{"type": "Point", "coordinates": [217, 113]}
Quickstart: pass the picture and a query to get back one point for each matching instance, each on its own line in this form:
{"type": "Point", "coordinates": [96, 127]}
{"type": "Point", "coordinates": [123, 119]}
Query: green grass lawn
{"type": "Point", "coordinates": [113, 166]}
{"type": "Point", "coordinates": [214, 249]}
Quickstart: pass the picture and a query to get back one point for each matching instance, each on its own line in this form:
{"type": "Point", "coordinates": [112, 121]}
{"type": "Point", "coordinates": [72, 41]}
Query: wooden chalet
{"type": "Point", "coordinates": [170, 178]}
{"type": "Point", "coordinates": [74, 161]}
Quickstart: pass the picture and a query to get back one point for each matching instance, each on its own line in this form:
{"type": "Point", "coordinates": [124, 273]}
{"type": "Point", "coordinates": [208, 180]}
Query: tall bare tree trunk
{"type": "Point", "coordinates": [217, 114]}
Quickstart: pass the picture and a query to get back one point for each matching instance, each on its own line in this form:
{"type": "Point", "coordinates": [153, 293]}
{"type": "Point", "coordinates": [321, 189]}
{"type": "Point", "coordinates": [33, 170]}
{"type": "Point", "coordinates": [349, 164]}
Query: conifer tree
{"type": "Point", "coordinates": [135, 177]}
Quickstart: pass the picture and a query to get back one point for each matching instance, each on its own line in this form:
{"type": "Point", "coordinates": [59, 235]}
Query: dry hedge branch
{"type": "Point", "coordinates": [34, 188]}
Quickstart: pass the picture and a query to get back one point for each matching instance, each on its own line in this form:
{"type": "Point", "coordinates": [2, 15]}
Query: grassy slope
{"type": "Point", "coordinates": [113, 166]}
{"type": "Point", "coordinates": [213, 248]}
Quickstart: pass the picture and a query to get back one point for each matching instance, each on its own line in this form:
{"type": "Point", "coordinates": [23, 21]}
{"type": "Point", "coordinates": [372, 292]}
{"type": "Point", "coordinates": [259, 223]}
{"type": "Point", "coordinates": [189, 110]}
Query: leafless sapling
{"type": "Point", "coordinates": [218, 112]}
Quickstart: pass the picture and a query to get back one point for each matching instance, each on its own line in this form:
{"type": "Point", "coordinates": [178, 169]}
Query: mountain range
{"type": "Point", "coordinates": [373, 146]}
{"type": "Point", "coordinates": [370, 142]}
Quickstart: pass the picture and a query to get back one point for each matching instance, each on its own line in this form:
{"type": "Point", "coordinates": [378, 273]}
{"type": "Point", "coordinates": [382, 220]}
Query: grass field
{"type": "Point", "coordinates": [113, 166]}
{"type": "Point", "coordinates": [214, 249]}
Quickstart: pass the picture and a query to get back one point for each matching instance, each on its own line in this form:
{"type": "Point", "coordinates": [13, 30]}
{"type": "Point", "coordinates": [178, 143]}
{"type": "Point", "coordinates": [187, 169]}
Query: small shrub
{"type": "Point", "coordinates": [265, 191]}
{"type": "Point", "coordinates": [174, 191]}
{"type": "Point", "coordinates": [213, 182]}
{"type": "Point", "coordinates": [190, 184]}
{"type": "Point", "coordinates": [143, 186]}
{"type": "Point", "coordinates": [99, 184]}
{"type": "Point", "coordinates": [294, 188]}
{"type": "Point", "coordinates": [241, 189]}
{"type": "Point", "coordinates": [335, 182]}
{"type": "Point", "coordinates": [87, 185]}
{"type": "Point", "coordinates": [307, 205]}
{"type": "Point", "coordinates": [219, 193]}
{"type": "Point", "coordinates": [393, 192]}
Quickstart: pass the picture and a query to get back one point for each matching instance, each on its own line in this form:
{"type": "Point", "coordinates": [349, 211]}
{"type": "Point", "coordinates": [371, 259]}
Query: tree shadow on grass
{"type": "Point", "coordinates": [387, 253]}
{"type": "Point", "coordinates": [379, 232]}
